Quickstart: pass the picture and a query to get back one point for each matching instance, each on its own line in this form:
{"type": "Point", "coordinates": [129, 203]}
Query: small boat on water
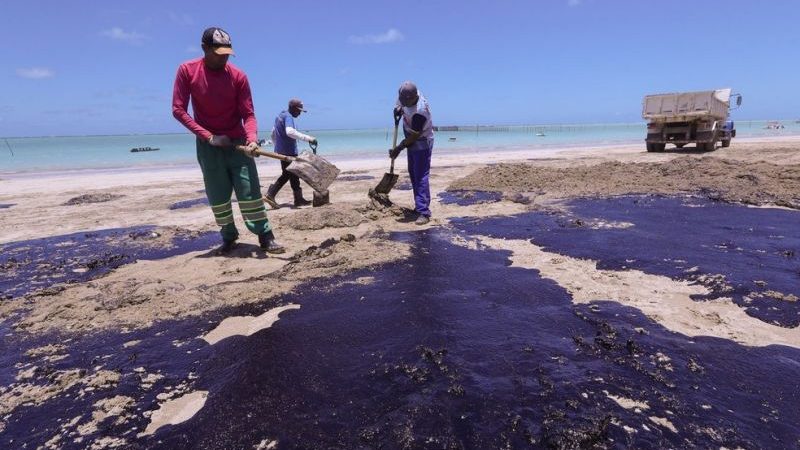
{"type": "Point", "coordinates": [451, 139]}
{"type": "Point", "coordinates": [144, 149]}
{"type": "Point", "coordinates": [541, 134]}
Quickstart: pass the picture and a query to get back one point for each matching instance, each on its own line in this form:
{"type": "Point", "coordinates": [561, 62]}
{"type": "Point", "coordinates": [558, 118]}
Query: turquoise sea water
{"type": "Point", "coordinates": [98, 152]}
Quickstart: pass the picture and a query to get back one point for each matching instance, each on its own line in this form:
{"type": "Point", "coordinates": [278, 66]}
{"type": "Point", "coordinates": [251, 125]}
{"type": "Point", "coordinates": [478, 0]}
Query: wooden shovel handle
{"type": "Point", "coordinates": [396, 126]}
{"type": "Point", "coordinates": [260, 152]}
{"type": "Point", "coordinates": [394, 141]}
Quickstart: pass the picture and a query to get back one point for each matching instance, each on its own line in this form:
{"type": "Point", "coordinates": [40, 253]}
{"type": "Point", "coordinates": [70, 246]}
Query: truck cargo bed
{"type": "Point", "coordinates": [686, 106]}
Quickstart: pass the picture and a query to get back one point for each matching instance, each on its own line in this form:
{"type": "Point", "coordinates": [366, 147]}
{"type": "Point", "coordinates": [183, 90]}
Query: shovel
{"type": "Point", "coordinates": [311, 168]}
{"type": "Point", "coordinates": [390, 178]}
{"type": "Point", "coordinates": [321, 198]}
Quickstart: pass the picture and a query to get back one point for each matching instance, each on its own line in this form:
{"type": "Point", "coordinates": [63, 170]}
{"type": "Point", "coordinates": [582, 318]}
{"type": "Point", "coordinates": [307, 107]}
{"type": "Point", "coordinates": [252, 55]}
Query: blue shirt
{"type": "Point", "coordinates": [284, 144]}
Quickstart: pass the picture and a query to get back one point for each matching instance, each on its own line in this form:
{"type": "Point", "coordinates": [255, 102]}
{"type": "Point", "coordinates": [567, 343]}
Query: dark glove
{"type": "Point", "coordinates": [398, 113]}
{"type": "Point", "coordinates": [220, 141]}
{"type": "Point", "coordinates": [395, 152]}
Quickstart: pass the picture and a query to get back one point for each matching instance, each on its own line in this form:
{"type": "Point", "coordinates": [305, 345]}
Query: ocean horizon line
{"type": "Point", "coordinates": [479, 125]}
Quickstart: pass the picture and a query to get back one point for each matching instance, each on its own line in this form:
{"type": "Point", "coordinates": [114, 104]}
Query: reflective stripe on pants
{"type": "Point", "coordinates": [225, 171]}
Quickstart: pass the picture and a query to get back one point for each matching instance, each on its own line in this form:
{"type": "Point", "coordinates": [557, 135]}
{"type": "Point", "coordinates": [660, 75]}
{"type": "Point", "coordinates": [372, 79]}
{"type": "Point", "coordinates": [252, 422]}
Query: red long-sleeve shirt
{"type": "Point", "coordinates": [221, 101]}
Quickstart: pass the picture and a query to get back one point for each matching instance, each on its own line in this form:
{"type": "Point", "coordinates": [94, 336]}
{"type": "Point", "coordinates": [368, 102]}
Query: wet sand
{"type": "Point", "coordinates": [351, 235]}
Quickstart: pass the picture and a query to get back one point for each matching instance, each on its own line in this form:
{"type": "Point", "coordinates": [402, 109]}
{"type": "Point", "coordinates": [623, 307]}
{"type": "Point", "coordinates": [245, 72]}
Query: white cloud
{"type": "Point", "coordinates": [118, 34]}
{"type": "Point", "coordinates": [573, 3]}
{"type": "Point", "coordinates": [35, 73]}
{"type": "Point", "coordinates": [390, 36]}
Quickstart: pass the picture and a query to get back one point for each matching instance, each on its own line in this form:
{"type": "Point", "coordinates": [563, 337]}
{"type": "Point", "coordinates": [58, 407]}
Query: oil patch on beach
{"type": "Point", "coordinates": [202, 201]}
{"type": "Point", "coordinates": [468, 197]}
{"type": "Point", "coordinates": [6, 205]}
{"type": "Point", "coordinates": [92, 198]}
{"type": "Point", "coordinates": [453, 348]}
{"type": "Point", "coordinates": [90, 391]}
{"type": "Point", "coordinates": [450, 348]}
{"type": "Point", "coordinates": [751, 255]}
{"type": "Point", "coordinates": [403, 185]}
{"type": "Point", "coordinates": [354, 177]}
{"type": "Point", "coordinates": [39, 264]}
{"type": "Point", "coordinates": [183, 204]}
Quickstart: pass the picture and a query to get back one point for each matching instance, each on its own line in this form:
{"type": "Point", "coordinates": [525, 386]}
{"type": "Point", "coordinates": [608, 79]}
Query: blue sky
{"type": "Point", "coordinates": [88, 67]}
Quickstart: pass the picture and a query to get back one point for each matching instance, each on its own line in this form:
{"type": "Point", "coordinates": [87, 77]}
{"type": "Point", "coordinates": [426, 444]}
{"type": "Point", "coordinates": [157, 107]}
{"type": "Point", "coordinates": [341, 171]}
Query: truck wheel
{"type": "Point", "coordinates": [655, 147]}
{"type": "Point", "coordinates": [679, 145]}
{"type": "Point", "coordinates": [726, 143]}
{"type": "Point", "coordinates": [710, 146]}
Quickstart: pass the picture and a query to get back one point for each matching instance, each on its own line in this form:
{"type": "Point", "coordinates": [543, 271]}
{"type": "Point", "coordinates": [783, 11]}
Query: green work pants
{"type": "Point", "coordinates": [226, 170]}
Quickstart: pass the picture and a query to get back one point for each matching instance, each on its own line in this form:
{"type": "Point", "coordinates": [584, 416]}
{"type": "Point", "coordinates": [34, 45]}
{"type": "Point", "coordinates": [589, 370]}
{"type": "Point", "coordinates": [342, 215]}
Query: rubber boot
{"type": "Point", "coordinates": [299, 200]}
{"type": "Point", "coordinates": [227, 246]}
{"type": "Point", "coordinates": [268, 243]}
{"type": "Point", "coordinates": [270, 197]}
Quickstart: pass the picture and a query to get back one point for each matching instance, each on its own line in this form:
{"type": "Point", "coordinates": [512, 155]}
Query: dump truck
{"type": "Point", "coordinates": [701, 118]}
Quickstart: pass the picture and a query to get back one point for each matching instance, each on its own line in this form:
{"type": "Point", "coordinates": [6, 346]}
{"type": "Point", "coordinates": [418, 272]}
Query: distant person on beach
{"type": "Point", "coordinates": [285, 137]}
{"type": "Point", "coordinates": [415, 112]}
{"type": "Point", "coordinates": [223, 118]}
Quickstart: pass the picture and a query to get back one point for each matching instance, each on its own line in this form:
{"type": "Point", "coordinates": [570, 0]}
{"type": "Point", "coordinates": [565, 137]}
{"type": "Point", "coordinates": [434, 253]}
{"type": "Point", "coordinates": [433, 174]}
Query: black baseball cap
{"type": "Point", "coordinates": [296, 103]}
{"type": "Point", "coordinates": [218, 40]}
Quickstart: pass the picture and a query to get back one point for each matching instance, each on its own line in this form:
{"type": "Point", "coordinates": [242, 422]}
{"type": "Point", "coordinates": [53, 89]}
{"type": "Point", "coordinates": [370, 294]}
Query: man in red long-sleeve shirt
{"type": "Point", "coordinates": [223, 118]}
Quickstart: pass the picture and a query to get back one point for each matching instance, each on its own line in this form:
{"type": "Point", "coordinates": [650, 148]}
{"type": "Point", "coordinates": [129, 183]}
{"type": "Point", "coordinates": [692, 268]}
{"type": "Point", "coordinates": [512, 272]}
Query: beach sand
{"type": "Point", "coordinates": [351, 234]}
{"type": "Point", "coordinates": [755, 172]}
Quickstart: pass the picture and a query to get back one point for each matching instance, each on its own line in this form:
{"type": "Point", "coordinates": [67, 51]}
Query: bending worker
{"type": "Point", "coordinates": [285, 137]}
{"type": "Point", "coordinates": [418, 131]}
{"type": "Point", "coordinates": [223, 117]}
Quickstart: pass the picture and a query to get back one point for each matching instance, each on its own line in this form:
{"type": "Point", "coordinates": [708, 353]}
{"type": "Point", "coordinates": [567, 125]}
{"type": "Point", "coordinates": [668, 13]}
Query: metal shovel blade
{"type": "Point", "coordinates": [387, 183]}
{"type": "Point", "coordinates": [389, 178]}
{"type": "Point", "coordinates": [314, 170]}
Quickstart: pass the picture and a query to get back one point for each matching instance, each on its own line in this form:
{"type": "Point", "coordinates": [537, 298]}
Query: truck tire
{"type": "Point", "coordinates": [655, 147]}
{"type": "Point", "coordinates": [726, 143]}
{"type": "Point", "coordinates": [679, 145]}
{"type": "Point", "coordinates": [710, 146]}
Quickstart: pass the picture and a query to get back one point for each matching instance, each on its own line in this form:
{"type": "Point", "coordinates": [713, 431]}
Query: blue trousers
{"type": "Point", "coordinates": [419, 170]}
